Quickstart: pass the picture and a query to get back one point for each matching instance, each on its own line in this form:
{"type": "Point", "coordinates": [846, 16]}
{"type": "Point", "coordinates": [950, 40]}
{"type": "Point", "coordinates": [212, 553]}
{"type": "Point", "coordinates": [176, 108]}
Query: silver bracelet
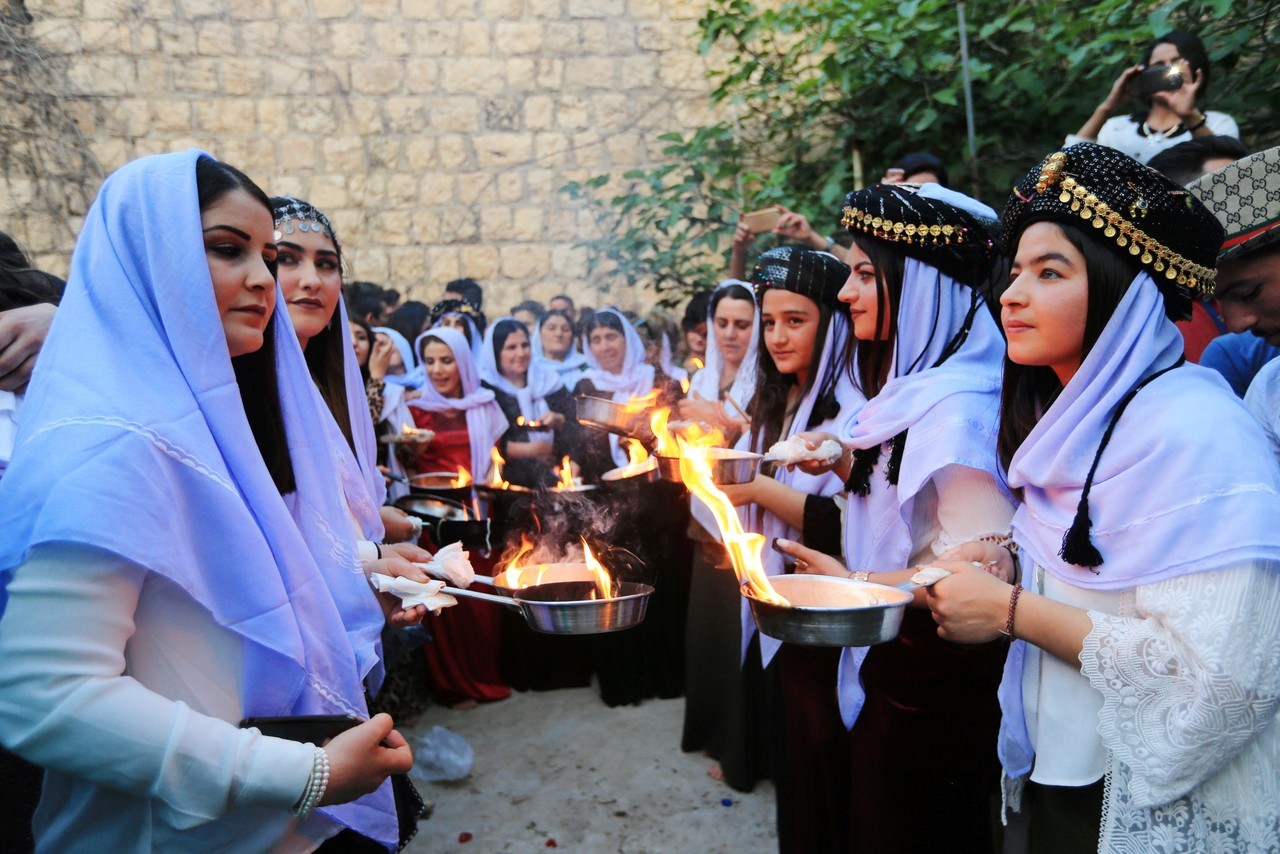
{"type": "Point", "coordinates": [860, 575]}
{"type": "Point", "coordinates": [317, 783]}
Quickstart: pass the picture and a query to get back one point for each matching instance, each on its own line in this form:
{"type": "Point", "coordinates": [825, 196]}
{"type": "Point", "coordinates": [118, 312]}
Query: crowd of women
{"type": "Point", "coordinates": [197, 497]}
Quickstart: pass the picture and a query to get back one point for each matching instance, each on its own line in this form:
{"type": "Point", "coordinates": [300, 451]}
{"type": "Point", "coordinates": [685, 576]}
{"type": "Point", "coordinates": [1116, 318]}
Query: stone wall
{"type": "Point", "coordinates": [435, 133]}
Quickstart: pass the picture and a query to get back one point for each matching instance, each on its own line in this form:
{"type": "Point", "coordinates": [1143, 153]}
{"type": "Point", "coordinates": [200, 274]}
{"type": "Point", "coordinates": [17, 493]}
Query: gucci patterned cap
{"type": "Point", "coordinates": [809, 272]}
{"type": "Point", "coordinates": [1245, 197]}
{"type": "Point", "coordinates": [1156, 221]}
{"type": "Point", "coordinates": [959, 242]}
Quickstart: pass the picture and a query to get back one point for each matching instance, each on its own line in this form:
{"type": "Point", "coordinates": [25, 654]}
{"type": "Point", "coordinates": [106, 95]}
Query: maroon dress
{"type": "Point", "coordinates": [462, 659]}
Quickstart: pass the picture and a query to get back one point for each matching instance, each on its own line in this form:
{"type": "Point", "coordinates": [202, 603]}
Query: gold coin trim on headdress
{"type": "Point", "coordinates": [1124, 233]}
{"type": "Point", "coordinates": [902, 232]}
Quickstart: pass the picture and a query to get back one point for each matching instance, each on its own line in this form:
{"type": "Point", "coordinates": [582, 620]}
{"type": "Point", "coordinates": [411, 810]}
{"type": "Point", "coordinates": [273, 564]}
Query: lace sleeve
{"type": "Point", "coordinates": [1189, 680]}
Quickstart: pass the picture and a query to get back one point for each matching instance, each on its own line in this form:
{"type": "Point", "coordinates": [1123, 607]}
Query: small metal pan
{"type": "Point", "coordinates": [561, 608]}
{"type": "Point", "coordinates": [831, 611]}
{"type": "Point", "coordinates": [439, 483]}
{"type": "Point", "coordinates": [447, 521]}
{"type": "Point", "coordinates": [728, 466]}
{"type": "Point", "coordinates": [614, 479]}
{"type": "Point", "coordinates": [613, 417]}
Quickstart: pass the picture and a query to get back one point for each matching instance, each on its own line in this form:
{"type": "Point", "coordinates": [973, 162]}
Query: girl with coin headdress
{"type": "Point", "coordinates": [1141, 691]}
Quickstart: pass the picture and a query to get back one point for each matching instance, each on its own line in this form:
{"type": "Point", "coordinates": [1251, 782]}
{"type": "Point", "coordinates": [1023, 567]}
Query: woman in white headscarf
{"type": "Point", "coordinates": [462, 660]}
{"type": "Point", "coordinates": [649, 660]}
{"type": "Point", "coordinates": [555, 345]}
{"type": "Point", "coordinates": [715, 718]}
{"type": "Point", "coordinates": [533, 399]}
{"type": "Point", "coordinates": [619, 373]}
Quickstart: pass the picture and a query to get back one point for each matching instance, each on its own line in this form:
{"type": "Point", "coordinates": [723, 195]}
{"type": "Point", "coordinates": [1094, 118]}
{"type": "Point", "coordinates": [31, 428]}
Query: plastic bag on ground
{"type": "Point", "coordinates": [442, 755]}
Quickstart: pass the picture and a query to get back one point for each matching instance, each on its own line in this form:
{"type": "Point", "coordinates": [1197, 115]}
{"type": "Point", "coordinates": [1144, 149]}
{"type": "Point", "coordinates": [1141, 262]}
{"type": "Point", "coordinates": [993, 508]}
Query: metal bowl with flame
{"type": "Point", "coordinates": [643, 472]}
{"type": "Point", "coordinates": [612, 417]}
{"type": "Point", "coordinates": [728, 466]}
{"type": "Point", "coordinates": [441, 483]}
{"type": "Point", "coordinates": [826, 610]}
{"type": "Point", "coordinates": [447, 521]}
{"type": "Point", "coordinates": [509, 580]}
{"type": "Point", "coordinates": [565, 607]}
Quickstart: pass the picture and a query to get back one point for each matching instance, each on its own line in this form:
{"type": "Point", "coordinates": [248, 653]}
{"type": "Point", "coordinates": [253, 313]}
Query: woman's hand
{"type": "Point", "coordinates": [995, 559]}
{"type": "Point", "coordinates": [740, 493]}
{"type": "Point", "coordinates": [794, 226]}
{"type": "Point", "coordinates": [380, 356]}
{"type": "Point", "coordinates": [970, 605]}
{"type": "Point", "coordinates": [1120, 89]}
{"type": "Point", "coordinates": [399, 525]}
{"type": "Point", "coordinates": [552, 421]}
{"type": "Point", "coordinates": [709, 413]}
{"type": "Point", "coordinates": [359, 762]}
{"type": "Point", "coordinates": [396, 565]}
{"type": "Point", "coordinates": [814, 438]}
{"type": "Point", "coordinates": [743, 236]}
{"type": "Point", "coordinates": [811, 562]}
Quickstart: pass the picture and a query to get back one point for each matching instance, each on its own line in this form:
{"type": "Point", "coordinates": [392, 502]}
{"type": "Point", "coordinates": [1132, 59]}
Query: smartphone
{"type": "Point", "coordinates": [308, 729]}
{"type": "Point", "coordinates": [762, 220]}
{"type": "Point", "coordinates": [1157, 78]}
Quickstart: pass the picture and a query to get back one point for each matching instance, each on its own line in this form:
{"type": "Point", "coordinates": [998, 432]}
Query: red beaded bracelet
{"type": "Point", "coordinates": [1013, 606]}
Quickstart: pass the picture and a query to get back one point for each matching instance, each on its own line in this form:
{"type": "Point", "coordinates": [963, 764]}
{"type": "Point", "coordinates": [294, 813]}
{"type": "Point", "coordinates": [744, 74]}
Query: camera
{"type": "Point", "coordinates": [1157, 78]}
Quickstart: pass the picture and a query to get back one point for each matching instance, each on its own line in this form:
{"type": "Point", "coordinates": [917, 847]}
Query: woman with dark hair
{"type": "Point", "coordinates": [533, 399]}
{"type": "Point", "coordinates": [145, 505]}
{"type": "Point", "coordinates": [555, 345]}
{"type": "Point", "coordinates": [801, 386]}
{"type": "Point", "coordinates": [1171, 115]}
{"type": "Point", "coordinates": [411, 320]}
{"type": "Point", "coordinates": [921, 478]}
{"type": "Point", "coordinates": [310, 273]}
{"type": "Point", "coordinates": [462, 660]}
{"type": "Point", "coordinates": [1141, 691]}
{"type": "Point", "coordinates": [462, 316]}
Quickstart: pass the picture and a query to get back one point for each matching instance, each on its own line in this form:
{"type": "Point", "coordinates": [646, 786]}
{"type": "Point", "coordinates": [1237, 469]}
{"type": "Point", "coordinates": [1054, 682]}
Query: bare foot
{"type": "Point", "coordinates": [464, 706]}
{"type": "Point", "coordinates": [715, 772]}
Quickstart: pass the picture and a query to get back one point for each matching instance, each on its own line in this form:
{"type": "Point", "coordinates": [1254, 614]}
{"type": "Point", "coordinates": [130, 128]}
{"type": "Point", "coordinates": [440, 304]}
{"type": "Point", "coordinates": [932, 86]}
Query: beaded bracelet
{"type": "Point", "coordinates": [317, 783]}
{"type": "Point", "coordinates": [1013, 606]}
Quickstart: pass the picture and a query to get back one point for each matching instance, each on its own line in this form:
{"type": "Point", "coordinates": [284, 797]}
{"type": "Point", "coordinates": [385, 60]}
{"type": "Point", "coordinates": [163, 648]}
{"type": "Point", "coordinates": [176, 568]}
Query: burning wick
{"type": "Point", "coordinates": [463, 479]}
{"type": "Point", "coordinates": [496, 480]}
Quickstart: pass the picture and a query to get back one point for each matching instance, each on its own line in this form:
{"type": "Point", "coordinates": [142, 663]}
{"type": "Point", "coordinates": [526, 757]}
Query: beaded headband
{"type": "Point", "coordinates": [292, 215]}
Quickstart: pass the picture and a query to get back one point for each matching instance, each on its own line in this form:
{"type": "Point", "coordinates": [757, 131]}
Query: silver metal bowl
{"type": "Point", "coordinates": [728, 466]}
{"type": "Point", "coordinates": [613, 417]}
{"type": "Point", "coordinates": [562, 608]}
{"type": "Point", "coordinates": [822, 624]}
{"type": "Point", "coordinates": [648, 473]}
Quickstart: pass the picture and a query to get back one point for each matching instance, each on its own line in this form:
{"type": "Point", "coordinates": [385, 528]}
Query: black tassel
{"type": "Point", "coordinates": [864, 460]}
{"type": "Point", "coordinates": [897, 447]}
{"type": "Point", "coordinates": [1077, 548]}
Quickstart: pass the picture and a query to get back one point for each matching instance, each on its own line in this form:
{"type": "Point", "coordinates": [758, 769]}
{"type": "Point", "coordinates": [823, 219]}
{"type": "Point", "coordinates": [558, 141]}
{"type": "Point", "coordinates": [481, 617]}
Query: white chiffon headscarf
{"type": "Point", "coordinates": [574, 363]}
{"type": "Point", "coordinates": [706, 382]}
{"type": "Point", "coordinates": [635, 379]}
{"type": "Point", "coordinates": [485, 421]}
{"type": "Point", "coordinates": [540, 380]}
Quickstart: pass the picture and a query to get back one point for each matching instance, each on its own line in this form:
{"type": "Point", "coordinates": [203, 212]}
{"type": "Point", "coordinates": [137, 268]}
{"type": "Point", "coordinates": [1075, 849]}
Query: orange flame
{"type": "Point", "coordinates": [407, 429]}
{"type": "Point", "coordinates": [463, 479]}
{"type": "Point", "coordinates": [604, 584]}
{"type": "Point", "coordinates": [665, 443]}
{"type": "Point", "coordinates": [744, 548]}
{"type": "Point", "coordinates": [684, 386]}
{"type": "Point", "coordinates": [637, 453]}
{"type": "Point", "coordinates": [697, 363]}
{"type": "Point", "coordinates": [495, 477]}
{"type": "Point", "coordinates": [565, 473]}
{"type": "Point", "coordinates": [519, 420]}
{"type": "Point", "coordinates": [523, 576]}
{"type": "Point", "coordinates": [640, 404]}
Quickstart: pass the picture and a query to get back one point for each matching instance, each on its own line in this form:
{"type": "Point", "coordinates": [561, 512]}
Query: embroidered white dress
{"type": "Point", "coordinates": [1188, 673]}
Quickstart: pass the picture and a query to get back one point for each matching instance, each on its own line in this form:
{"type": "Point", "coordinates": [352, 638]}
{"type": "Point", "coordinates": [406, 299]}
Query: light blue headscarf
{"type": "Point", "coordinates": [143, 449]}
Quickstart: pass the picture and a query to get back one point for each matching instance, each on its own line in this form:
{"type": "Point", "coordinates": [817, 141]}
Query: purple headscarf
{"type": "Point", "coordinates": [145, 451]}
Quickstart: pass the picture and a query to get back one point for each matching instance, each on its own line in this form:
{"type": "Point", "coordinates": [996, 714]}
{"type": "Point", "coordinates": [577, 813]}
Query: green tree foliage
{"type": "Point", "coordinates": [806, 83]}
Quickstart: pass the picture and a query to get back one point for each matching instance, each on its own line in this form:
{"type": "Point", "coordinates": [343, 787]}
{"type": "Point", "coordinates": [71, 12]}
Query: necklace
{"type": "Point", "coordinates": [1154, 136]}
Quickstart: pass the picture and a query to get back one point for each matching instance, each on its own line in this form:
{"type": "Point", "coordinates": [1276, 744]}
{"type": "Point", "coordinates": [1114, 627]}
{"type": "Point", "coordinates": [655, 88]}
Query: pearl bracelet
{"type": "Point", "coordinates": [317, 783]}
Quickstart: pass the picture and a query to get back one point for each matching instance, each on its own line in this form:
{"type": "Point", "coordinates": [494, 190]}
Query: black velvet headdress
{"type": "Point", "coordinates": [955, 241]}
{"type": "Point", "coordinates": [1155, 220]}
{"type": "Point", "coordinates": [808, 272]}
